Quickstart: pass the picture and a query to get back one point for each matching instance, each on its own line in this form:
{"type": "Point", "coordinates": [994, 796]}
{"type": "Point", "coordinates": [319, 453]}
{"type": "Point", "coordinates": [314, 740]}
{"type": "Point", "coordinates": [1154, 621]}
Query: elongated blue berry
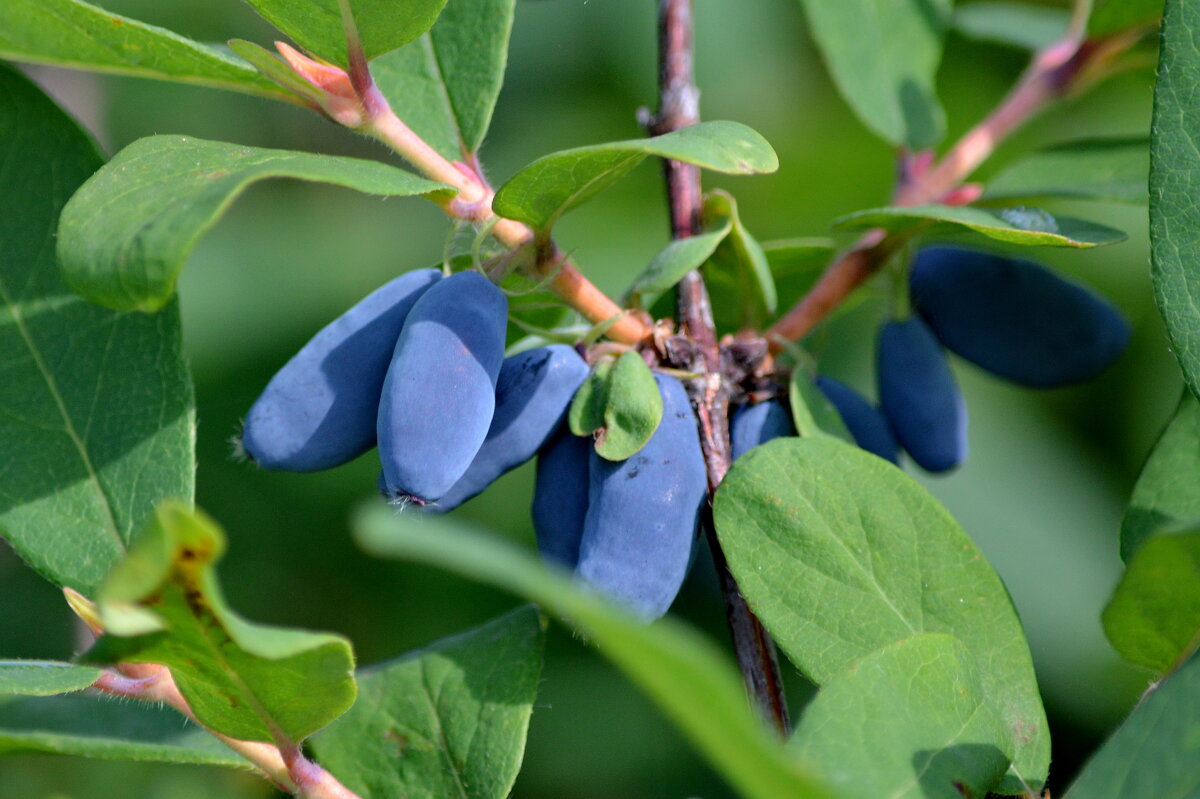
{"type": "Point", "coordinates": [533, 392]}
{"type": "Point", "coordinates": [1015, 318]}
{"type": "Point", "coordinates": [319, 410]}
{"type": "Point", "coordinates": [440, 390]}
{"type": "Point", "coordinates": [864, 421]}
{"type": "Point", "coordinates": [756, 424]}
{"type": "Point", "coordinates": [643, 512]}
{"type": "Point", "coordinates": [560, 497]}
{"type": "Point", "coordinates": [919, 397]}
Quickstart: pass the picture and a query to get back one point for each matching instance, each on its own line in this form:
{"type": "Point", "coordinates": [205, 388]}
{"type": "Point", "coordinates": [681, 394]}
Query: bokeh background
{"type": "Point", "coordinates": [1042, 492]}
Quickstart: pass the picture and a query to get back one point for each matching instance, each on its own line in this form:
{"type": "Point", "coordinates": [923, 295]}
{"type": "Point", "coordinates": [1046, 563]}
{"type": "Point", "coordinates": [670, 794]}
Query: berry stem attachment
{"type": "Point", "coordinates": [678, 107]}
{"type": "Point", "coordinates": [1062, 68]}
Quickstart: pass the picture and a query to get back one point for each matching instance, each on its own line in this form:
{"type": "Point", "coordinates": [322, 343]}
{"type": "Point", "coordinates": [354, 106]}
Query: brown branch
{"type": "Point", "coordinates": [679, 107]}
{"type": "Point", "coordinates": [1053, 73]}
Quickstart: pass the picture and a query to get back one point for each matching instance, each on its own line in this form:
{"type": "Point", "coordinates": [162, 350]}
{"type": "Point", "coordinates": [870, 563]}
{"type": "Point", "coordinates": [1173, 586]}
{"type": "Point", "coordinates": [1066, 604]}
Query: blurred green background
{"type": "Point", "coordinates": [1042, 493]}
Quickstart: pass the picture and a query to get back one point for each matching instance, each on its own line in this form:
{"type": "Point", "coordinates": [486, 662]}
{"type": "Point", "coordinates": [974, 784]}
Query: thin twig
{"type": "Point", "coordinates": [284, 766]}
{"type": "Point", "coordinates": [679, 107]}
{"type": "Point", "coordinates": [1054, 72]}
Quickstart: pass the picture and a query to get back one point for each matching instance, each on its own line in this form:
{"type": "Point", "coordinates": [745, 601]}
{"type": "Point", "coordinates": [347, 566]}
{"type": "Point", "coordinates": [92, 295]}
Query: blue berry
{"type": "Point", "coordinates": [864, 421]}
{"type": "Point", "coordinates": [756, 424]}
{"type": "Point", "coordinates": [560, 497]}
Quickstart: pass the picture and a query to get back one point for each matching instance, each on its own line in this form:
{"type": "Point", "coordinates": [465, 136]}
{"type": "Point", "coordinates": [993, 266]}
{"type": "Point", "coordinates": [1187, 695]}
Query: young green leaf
{"type": "Point", "coordinates": [125, 234]}
{"type": "Point", "coordinates": [619, 405]}
{"type": "Point", "coordinates": [586, 414]}
{"type": "Point", "coordinates": [96, 407]}
{"type": "Point", "coordinates": [686, 674]}
{"type": "Point", "coordinates": [1027, 227]}
{"type": "Point", "coordinates": [70, 33]}
{"type": "Point", "coordinates": [449, 720]}
{"type": "Point", "coordinates": [632, 410]}
{"type": "Point", "coordinates": [816, 531]}
{"type": "Point", "coordinates": [445, 84]}
{"type": "Point", "coordinates": [1110, 16]}
{"type": "Point", "coordinates": [554, 184]}
{"type": "Point", "coordinates": [909, 720]}
{"type": "Point", "coordinates": [43, 677]}
{"type": "Point", "coordinates": [1153, 754]}
{"type": "Point", "coordinates": [1153, 618]}
{"type": "Point", "coordinates": [883, 56]}
{"type": "Point", "coordinates": [1112, 170]}
{"type": "Point", "coordinates": [1165, 493]}
{"type": "Point", "coordinates": [162, 605]}
{"type": "Point", "coordinates": [1030, 27]}
{"type": "Point", "coordinates": [812, 412]}
{"type": "Point", "coordinates": [99, 727]}
{"type": "Point", "coordinates": [677, 259]}
{"type": "Point", "coordinates": [739, 267]}
{"type": "Point", "coordinates": [1175, 184]}
{"type": "Point", "coordinates": [316, 25]}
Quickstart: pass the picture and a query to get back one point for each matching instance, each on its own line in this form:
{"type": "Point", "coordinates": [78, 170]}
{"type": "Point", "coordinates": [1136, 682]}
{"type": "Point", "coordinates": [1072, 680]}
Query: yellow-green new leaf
{"type": "Point", "coordinates": [162, 604]}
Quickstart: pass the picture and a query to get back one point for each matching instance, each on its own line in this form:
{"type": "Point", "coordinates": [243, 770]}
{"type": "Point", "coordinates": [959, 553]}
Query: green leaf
{"type": "Point", "coordinates": [554, 184]}
{"type": "Point", "coordinates": [446, 721]}
{"type": "Point", "coordinates": [840, 553]}
{"type": "Point", "coordinates": [586, 414]}
{"type": "Point", "coordinates": [108, 729]}
{"type": "Point", "coordinates": [812, 412]}
{"type": "Point", "coordinates": [1166, 493]}
{"type": "Point", "coordinates": [1110, 16]}
{"type": "Point", "coordinates": [1027, 227]}
{"type": "Point", "coordinates": [1175, 184]}
{"type": "Point", "coordinates": [69, 33]}
{"type": "Point", "coordinates": [1153, 618]}
{"type": "Point", "coordinates": [739, 268]}
{"type": "Point", "coordinates": [316, 25]}
{"type": "Point", "coordinates": [883, 56]}
{"type": "Point", "coordinates": [686, 674]}
{"type": "Point", "coordinates": [162, 605]}
{"type": "Point", "coordinates": [1030, 27]}
{"type": "Point", "coordinates": [677, 259]}
{"type": "Point", "coordinates": [632, 411]}
{"type": "Point", "coordinates": [96, 411]}
{"type": "Point", "coordinates": [445, 84]}
{"type": "Point", "coordinates": [124, 236]}
{"type": "Point", "coordinates": [1112, 170]}
{"type": "Point", "coordinates": [1153, 754]}
{"type": "Point", "coordinates": [43, 677]}
{"type": "Point", "coordinates": [796, 265]}
{"type": "Point", "coordinates": [910, 720]}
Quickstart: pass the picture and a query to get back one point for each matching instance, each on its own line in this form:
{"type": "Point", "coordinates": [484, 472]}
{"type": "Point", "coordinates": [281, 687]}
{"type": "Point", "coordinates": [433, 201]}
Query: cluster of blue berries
{"type": "Point", "coordinates": [1012, 317]}
{"type": "Point", "coordinates": [417, 368]}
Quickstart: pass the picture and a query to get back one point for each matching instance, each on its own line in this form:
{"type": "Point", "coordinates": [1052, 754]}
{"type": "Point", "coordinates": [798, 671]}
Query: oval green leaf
{"type": "Point", "coordinates": [632, 410]}
{"type": "Point", "coordinates": [1029, 227]}
{"type": "Point", "coordinates": [70, 33]}
{"type": "Point", "coordinates": [125, 234]}
{"type": "Point", "coordinates": [1175, 184]}
{"type": "Point", "coordinates": [910, 721]}
{"type": "Point", "coordinates": [1030, 27]}
{"type": "Point", "coordinates": [1153, 754]}
{"type": "Point", "coordinates": [445, 84]}
{"type": "Point", "coordinates": [447, 721]}
{"type": "Point", "coordinates": [883, 56]}
{"type": "Point", "coordinates": [1111, 170]}
{"type": "Point", "coordinates": [1153, 619]}
{"type": "Point", "coordinates": [96, 407]}
{"type": "Point", "coordinates": [316, 25]}
{"type": "Point", "coordinates": [818, 532]}
{"type": "Point", "coordinates": [554, 184]}
{"type": "Point", "coordinates": [162, 604]}
{"type": "Point", "coordinates": [1166, 493]}
{"type": "Point", "coordinates": [43, 677]}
